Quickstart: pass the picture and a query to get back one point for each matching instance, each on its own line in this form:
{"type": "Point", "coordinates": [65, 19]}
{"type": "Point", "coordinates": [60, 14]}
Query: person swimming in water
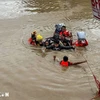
{"type": "Point", "coordinates": [66, 63]}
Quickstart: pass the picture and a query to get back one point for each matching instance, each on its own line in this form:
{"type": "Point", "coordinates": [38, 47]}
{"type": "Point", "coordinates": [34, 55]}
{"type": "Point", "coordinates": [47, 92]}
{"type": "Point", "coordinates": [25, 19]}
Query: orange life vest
{"type": "Point", "coordinates": [65, 33]}
{"type": "Point", "coordinates": [65, 64]}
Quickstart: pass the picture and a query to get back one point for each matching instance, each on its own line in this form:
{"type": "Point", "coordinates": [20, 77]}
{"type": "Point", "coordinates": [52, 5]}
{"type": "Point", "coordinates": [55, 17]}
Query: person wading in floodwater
{"type": "Point", "coordinates": [81, 41]}
{"type": "Point", "coordinates": [66, 63]}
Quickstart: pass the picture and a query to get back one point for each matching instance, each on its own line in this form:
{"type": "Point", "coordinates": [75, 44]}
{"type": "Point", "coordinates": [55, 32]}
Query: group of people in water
{"type": "Point", "coordinates": [61, 39]}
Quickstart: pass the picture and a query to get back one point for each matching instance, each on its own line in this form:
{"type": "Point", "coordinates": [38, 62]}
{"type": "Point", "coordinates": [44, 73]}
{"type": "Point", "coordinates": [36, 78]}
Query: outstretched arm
{"type": "Point", "coordinates": [79, 62]}
{"type": "Point", "coordinates": [57, 59]}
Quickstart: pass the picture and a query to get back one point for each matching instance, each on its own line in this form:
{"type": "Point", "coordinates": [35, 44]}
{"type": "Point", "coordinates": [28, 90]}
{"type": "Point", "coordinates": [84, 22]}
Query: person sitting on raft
{"type": "Point", "coordinates": [65, 34]}
{"type": "Point", "coordinates": [81, 42]}
{"type": "Point", "coordinates": [66, 63]}
{"type": "Point", "coordinates": [57, 46]}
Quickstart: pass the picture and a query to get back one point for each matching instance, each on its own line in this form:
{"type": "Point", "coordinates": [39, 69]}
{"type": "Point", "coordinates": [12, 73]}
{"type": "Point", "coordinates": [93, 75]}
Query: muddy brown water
{"type": "Point", "coordinates": [29, 74]}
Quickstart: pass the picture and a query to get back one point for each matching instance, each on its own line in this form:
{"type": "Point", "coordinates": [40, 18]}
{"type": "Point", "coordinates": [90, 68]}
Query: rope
{"type": "Point", "coordinates": [69, 20]}
{"type": "Point", "coordinates": [87, 73]}
{"type": "Point", "coordinates": [96, 81]}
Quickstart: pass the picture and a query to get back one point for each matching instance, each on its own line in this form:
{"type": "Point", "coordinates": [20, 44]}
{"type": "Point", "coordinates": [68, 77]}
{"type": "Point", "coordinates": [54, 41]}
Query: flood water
{"type": "Point", "coordinates": [16, 8]}
{"type": "Point", "coordinates": [27, 73]}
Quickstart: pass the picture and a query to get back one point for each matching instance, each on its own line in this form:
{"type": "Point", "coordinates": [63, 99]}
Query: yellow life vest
{"type": "Point", "coordinates": [39, 37]}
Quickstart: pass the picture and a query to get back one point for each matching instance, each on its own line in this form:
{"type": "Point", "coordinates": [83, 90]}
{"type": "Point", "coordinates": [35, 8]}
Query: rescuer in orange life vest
{"type": "Point", "coordinates": [66, 35]}
{"type": "Point", "coordinates": [66, 63]}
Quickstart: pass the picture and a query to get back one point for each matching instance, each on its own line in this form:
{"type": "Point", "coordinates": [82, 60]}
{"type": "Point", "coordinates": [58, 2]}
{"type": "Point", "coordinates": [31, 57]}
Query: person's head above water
{"type": "Point", "coordinates": [63, 28]}
{"type": "Point", "coordinates": [65, 58]}
{"type": "Point", "coordinates": [56, 43]}
{"type": "Point", "coordinates": [34, 32]}
{"type": "Point", "coordinates": [47, 42]}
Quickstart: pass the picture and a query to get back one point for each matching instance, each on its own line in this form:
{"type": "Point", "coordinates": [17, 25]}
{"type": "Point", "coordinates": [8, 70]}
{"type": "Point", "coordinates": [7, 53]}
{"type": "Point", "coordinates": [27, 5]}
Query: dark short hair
{"type": "Point", "coordinates": [65, 58]}
{"type": "Point", "coordinates": [63, 26]}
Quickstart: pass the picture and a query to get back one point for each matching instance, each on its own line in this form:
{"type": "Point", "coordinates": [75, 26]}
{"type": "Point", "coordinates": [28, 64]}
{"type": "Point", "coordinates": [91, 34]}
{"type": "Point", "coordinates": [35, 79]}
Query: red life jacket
{"type": "Point", "coordinates": [65, 33]}
{"type": "Point", "coordinates": [31, 41]}
{"type": "Point", "coordinates": [81, 44]}
{"type": "Point", "coordinates": [65, 64]}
